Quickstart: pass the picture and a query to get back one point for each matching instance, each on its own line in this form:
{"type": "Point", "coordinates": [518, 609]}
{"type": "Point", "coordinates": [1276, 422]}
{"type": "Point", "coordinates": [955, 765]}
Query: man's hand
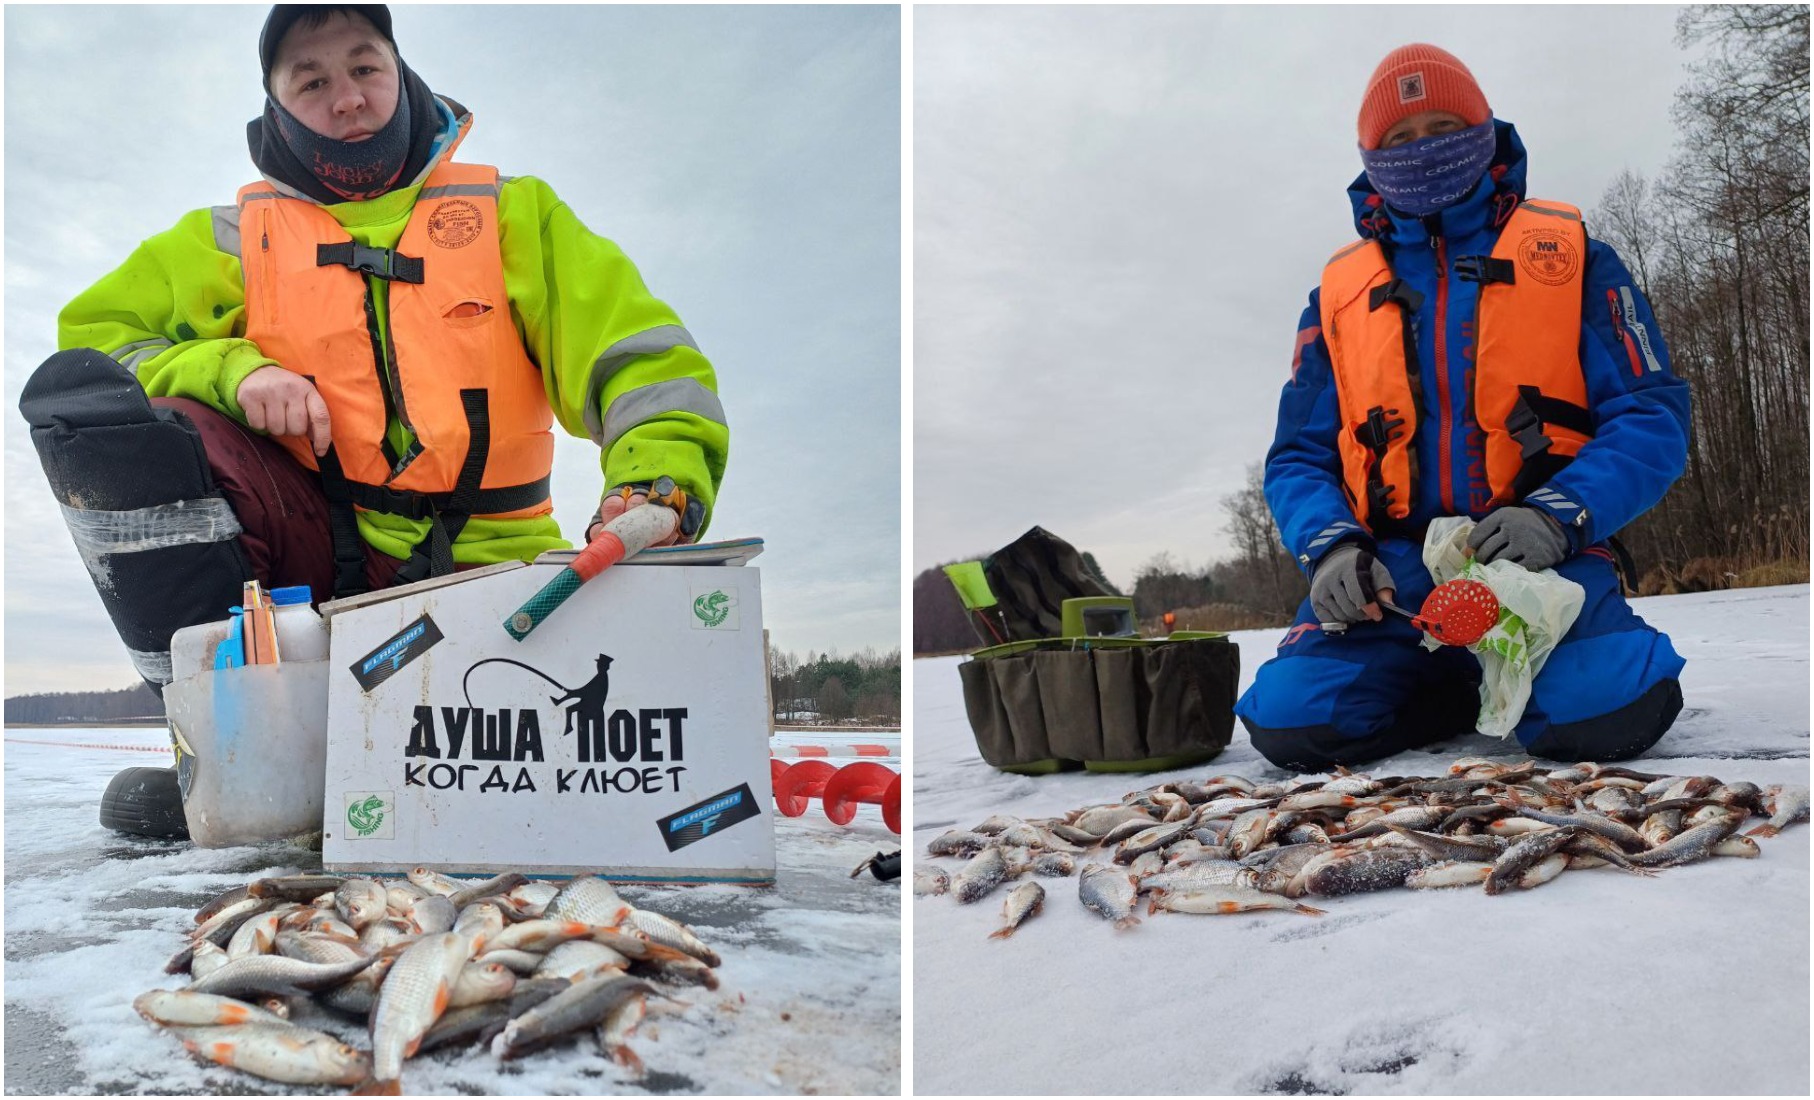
{"type": "Point", "coordinates": [1348, 584]}
{"type": "Point", "coordinates": [1527, 536]}
{"type": "Point", "coordinates": [614, 505]}
{"type": "Point", "coordinates": [283, 402]}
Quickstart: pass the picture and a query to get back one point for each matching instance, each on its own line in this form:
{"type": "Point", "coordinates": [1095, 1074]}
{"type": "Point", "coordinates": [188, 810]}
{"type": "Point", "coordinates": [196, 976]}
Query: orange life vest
{"type": "Point", "coordinates": [457, 375]}
{"type": "Point", "coordinates": [1529, 393]}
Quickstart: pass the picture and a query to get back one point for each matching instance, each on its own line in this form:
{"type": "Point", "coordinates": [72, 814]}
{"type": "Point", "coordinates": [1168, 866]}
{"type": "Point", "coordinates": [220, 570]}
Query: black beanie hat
{"type": "Point", "coordinates": [284, 16]}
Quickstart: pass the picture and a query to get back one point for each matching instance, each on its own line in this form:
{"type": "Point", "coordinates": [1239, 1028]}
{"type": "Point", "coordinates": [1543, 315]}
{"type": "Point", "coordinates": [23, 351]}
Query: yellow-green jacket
{"type": "Point", "coordinates": [174, 313]}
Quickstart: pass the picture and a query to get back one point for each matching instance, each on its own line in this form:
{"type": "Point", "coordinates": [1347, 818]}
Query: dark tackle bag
{"type": "Point", "coordinates": [1031, 579]}
{"type": "Point", "coordinates": [1111, 707]}
{"type": "Point", "coordinates": [133, 482]}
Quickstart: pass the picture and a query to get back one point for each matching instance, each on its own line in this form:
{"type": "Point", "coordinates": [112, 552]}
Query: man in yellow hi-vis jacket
{"type": "Point", "coordinates": [348, 378]}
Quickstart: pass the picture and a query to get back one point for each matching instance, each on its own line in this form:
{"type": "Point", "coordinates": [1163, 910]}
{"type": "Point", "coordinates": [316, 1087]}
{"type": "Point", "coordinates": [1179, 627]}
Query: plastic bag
{"type": "Point", "coordinates": [1535, 610]}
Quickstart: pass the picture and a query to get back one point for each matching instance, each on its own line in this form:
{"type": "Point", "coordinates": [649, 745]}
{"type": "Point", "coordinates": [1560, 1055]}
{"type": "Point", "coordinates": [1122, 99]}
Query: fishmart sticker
{"type": "Point", "coordinates": [715, 609]}
{"type": "Point", "coordinates": [370, 815]}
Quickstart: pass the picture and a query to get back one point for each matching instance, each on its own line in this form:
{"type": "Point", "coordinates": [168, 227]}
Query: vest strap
{"type": "Point", "coordinates": [1533, 403]}
{"type": "Point", "coordinates": [1375, 435]}
{"type": "Point", "coordinates": [433, 556]}
{"type": "Point", "coordinates": [401, 502]}
{"type": "Point", "coordinates": [1531, 413]}
{"type": "Point", "coordinates": [343, 524]}
{"type": "Point", "coordinates": [1378, 431]}
{"type": "Point", "coordinates": [349, 548]}
{"type": "Point", "coordinates": [385, 263]}
{"type": "Point", "coordinates": [1485, 269]}
{"type": "Point", "coordinates": [1623, 565]}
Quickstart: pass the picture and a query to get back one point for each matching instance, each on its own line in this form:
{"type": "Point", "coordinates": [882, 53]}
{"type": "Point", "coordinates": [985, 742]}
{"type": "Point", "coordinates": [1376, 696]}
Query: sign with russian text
{"type": "Point", "coordinates": [618, 739]}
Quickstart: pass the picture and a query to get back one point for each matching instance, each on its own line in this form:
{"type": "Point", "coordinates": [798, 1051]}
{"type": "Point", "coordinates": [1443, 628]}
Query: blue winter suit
{"type": "Point", "coordinates": [1611, 688]}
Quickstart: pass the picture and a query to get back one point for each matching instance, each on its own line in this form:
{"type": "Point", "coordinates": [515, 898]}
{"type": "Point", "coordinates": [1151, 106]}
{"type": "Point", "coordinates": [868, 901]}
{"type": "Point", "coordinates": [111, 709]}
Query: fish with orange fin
{"type": "Point", "coordinates": [1786, 804]}
{"type": "Point", "coordinates": [414, 995]}
{"type": "Point", "coordinates": [1022, 902]}
{"type": "Point", "coordinates": [278, 1052]}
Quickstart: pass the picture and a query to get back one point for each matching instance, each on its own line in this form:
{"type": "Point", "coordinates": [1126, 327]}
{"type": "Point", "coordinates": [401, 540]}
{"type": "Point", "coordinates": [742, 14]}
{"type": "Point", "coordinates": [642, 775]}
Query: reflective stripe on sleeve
{"type": "Point", "coordinates": [651, 341]}
{"type": "Point", "coordinates": [131, 355]}
{"type": "Point", "coordinates": [648, 402]}
{"type": "Point", "coordinates": [1332, 532]}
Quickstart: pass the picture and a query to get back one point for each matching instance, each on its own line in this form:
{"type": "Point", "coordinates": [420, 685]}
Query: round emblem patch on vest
{"type": "Point", "coordinates": [455, 224]}
{"type": "Point", "coordinates": [1548, 257]}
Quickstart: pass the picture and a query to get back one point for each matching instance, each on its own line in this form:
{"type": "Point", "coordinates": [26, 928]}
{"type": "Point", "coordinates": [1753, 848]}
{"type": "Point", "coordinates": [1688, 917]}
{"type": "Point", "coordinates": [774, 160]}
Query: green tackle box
{"type": "Point", "coordinates": [1091, 692]}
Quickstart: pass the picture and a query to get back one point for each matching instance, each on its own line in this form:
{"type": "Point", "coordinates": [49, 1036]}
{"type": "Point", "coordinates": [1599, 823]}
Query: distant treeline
{"type": "Point", "coordinates": [827, 687]}
{"type": "Point", "coordinates": [1719, 244]}
{"type": "Point", "coordinates": [824, 687]}
{"type": "Point", "coordinates": [71, 707]}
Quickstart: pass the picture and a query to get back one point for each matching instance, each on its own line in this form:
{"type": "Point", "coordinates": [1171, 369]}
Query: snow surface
{"type": "Point", "coordinates": [1695, 981]}
{"type": "Point", "coordinates": [810, 1000]}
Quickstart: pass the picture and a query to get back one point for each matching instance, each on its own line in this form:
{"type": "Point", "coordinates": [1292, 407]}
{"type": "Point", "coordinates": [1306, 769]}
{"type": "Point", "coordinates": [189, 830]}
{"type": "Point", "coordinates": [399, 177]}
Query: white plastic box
{"type": "Point", "coordinates": [626, 737]}
{"type": "Point", "coordinates": [253, 740]}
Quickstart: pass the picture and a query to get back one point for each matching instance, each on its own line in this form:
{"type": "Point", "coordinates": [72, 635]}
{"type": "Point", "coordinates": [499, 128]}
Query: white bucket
{"type": "Point", "coordinates": [254, 743]}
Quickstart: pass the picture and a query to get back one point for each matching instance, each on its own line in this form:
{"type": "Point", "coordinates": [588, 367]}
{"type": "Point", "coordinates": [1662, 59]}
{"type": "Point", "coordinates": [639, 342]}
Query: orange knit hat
{"type": "Point", "coordinates": [1418, 78]}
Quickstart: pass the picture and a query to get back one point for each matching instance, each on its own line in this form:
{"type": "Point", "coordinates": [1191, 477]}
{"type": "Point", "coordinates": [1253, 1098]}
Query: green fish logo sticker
{"type": "Point", "coordinates": [365, 817]}
{"type": "Point", "coordinates": [712, 608]}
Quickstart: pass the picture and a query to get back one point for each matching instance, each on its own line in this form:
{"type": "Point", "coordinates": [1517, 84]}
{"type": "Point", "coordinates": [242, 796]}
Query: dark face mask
{"type": "Point", "coordinates": [1431, 173]}
{"type": "Point", "coordinates": [353, 170]}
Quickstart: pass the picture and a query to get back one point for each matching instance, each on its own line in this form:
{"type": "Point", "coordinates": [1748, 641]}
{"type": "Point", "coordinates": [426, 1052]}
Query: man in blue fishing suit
{"type": "Point", "coordinates": [1474, 354]}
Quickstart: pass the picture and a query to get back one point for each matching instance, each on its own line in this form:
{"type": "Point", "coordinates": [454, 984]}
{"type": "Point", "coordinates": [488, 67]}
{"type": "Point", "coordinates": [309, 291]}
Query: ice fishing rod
{"type": "Point", "coordinates": [631, 533]}
{"type": "Point", "coordinates": [1457, 612]}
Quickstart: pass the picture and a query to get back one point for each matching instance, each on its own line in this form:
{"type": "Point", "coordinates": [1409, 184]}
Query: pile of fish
{"type": "Point", "coordinates": [426, 963]}
{"type": "Point", "coordinates": [1229, 845]}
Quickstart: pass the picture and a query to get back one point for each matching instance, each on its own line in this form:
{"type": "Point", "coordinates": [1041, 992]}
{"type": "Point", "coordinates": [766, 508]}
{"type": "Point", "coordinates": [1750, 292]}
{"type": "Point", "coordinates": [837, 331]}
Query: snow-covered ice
{"type": "Point", "coordinates": [1695, 981]}
{"type": "Point", "coordinates": [810, 1000]}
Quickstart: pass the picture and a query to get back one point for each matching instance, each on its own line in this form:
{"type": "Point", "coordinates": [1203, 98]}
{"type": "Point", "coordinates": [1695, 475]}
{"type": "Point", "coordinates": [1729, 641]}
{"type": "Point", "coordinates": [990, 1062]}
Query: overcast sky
{"type": "Point", "coordinates": [747, 159]}
{"type": "Point", "coordinates": [1119, 214]}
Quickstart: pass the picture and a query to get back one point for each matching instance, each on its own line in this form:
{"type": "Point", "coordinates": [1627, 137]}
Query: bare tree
{"type": "Point", "coordinates": [1719, 242]}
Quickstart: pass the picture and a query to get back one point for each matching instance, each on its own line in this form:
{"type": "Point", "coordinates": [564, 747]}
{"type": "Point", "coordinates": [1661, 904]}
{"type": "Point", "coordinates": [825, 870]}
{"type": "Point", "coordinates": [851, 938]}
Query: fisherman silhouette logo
{"type": "Point", "coordinates": [585, 717]}
{"type": "Point", "coordinates": [368, 814]}
{"type": "Point", "coordinates": [589, 699]}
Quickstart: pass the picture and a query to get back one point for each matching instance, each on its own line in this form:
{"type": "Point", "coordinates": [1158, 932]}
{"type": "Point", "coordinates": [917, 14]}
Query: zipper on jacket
{"type": "Point", "coordinates": [1444, 419]}
{"type": "Point", "coordinates": [386, 364]}
{"type": "Point", "coordinates": [267, 292]}
{"type": "Point", "coordinates": [1618, 326]}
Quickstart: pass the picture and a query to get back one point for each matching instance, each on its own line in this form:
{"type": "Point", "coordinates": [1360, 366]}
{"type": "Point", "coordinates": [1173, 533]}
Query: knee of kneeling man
{"type": "Point", "coordinates": [1617, 735]}
{"type": "Point", "coordinates": [1291, 749]}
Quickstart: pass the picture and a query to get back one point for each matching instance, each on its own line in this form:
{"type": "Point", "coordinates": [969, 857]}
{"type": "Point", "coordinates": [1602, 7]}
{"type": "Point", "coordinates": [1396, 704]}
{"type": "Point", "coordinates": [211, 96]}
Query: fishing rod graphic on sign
{"type": "Point", "coordinates": [589, 698]}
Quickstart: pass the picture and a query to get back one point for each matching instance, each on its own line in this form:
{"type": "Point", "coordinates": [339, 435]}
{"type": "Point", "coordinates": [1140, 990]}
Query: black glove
{"type": "Point", "coordinates": [1346, 580]}
{"type": "Point", "coordinates": [1527, 536]}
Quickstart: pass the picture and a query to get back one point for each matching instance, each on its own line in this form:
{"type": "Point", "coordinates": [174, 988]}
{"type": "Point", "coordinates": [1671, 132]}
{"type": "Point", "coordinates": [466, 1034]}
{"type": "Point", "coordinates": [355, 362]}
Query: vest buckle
{"type": "Point", "coordinates": [1397, 291]}
{"type": "Point", "coordinates": [1378, 431]}
{"type": "Point", "coordinates": [384, 263]}
{"type": "Point", "coordinates": [1485, 269]}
